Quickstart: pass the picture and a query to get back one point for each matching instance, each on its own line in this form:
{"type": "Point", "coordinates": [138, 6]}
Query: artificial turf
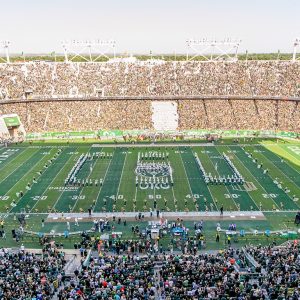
{"type": "Point", "coordinates": [21, 163]}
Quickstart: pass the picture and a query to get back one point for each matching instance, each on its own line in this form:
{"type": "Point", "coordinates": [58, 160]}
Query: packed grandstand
{"type": "Point", "coordinates": [62, 97]}
{"type": "Point", "coordinates": [250, 273]}
{"type": "Point", "coordinates": [260, 95]}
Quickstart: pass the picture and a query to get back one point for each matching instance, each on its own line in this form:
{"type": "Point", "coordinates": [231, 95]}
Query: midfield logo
{"type": "Point", "coordinates": [153, 171]}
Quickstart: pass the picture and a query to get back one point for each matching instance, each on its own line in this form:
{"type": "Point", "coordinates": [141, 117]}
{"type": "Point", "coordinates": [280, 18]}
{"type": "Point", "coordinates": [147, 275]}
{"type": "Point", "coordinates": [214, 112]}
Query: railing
{"type": "Point", "coordinates": [250, 258]}
{"type": "Point", "coordinates": [88, 257]}
{"type": "Point", "coordinates": [149, 97]}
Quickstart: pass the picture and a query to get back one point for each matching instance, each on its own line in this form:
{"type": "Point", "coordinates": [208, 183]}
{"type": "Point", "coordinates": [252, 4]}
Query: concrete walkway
{"type": "Point", "coordinates": [215, 215]}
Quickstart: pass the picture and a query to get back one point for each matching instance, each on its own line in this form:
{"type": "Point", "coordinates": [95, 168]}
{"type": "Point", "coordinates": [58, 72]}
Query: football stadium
{"type": "Point", "coordinates": [144, 177]}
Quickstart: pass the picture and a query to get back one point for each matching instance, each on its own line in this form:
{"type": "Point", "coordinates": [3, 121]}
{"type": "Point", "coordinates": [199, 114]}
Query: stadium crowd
{"type": "Point", "coordinates": [83, 115]}
{"type": "Point", "coordinates": [42, 80]}
{"type": "Point", "coordinates": [278, 267]}
{"type": "Point", "coordinates": [239, 114]}
{"type": "Point", "coordinates": [271, 272]}
{"type": "Point", "coordinates": [223, 275]}
{"type": "Point", "coordinates": [157, 78]}
{"type": "Point", "coordinates": [25, 275]}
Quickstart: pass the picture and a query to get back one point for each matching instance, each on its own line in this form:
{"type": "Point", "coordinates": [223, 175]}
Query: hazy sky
{"type": "Point", "coordinates": [158, 25]}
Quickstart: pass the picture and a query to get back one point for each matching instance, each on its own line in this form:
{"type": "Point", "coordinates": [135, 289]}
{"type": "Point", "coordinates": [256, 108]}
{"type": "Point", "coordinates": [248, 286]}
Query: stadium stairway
{"type": "Point", "coordinates": [164, 115]}
{"type": "Point", "coordinates": [73, 259]}
{"type": "Point", "coordinates": [74, 263]}
{"type": "Point", "coordinates": [250, 258]}
{"type": "Point", "coordinates": [158, 290]}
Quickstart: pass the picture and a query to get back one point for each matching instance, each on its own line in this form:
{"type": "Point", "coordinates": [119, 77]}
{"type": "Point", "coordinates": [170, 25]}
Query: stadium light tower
{"type": "Point", "coordinates": [93, 48]}
{"type": "Point", "coordinates": [5, 46]}
{"type": "Point", "coordinates": [295, 50]}
{"type": "Point", "coordinates": [212, 50]}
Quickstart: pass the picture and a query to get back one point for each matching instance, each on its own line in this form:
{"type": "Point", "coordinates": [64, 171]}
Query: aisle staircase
{"type": "Point", "coordinates": [73, 259]}
{"type": "Point", "coordinates": [74, 263]}
{"type": "Point", "coordinates": [159, 292]}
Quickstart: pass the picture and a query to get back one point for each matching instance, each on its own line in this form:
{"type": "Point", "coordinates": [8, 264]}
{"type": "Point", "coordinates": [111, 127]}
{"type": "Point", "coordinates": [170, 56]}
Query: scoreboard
{"type": "Point", "coordinates": [11, 127]}
{"type": "Point", "coordinates": [12, 121]}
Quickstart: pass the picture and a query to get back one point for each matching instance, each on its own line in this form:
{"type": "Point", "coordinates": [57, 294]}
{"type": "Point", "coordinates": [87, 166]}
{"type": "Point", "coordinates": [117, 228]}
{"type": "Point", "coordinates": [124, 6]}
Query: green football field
{"type": "Point", "coordinates": [33, 178]}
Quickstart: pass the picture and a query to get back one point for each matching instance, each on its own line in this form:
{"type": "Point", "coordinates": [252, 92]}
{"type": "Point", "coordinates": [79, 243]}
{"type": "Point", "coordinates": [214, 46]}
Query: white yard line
{"type": "Point", "coordinates": [172, 186]}
{"type": "Point", "coordinates": [22, 179]}
{"type": "Point", "coordinates": [229, 193]}
{"type": "Point", "coordinates": [245, 190]}
{"type": "Point", "coordinates": [18, 166]}
{"type": "Point", "coordinates": [290, 153]}
{"type": "Point", "coordinates": [78, 196]}
{"type": "Point", "coordinates": [71, 156]}
{"type": "Point", "coordinates": [19, 153]}
{"type": "Point", "coordinates": [121, 175]}
{"type": "Point", "coordinates": [136, 189]}
{"type": "Point", "coordinates": [279, 170]}
{"type": "Point", "coordinates": [288, 163]}
{"type": "Point", "coordinates": [173, 194]}
{"type": "Point", "coordinates": [185, 174]}
{"type": "Point", "coordinates": [192, 194]}
{"type": "Point", "coordinates": [104, 178]}
{"type": "Point", "coordinates": [209, 189]}
{"type": "Point", "coordinates": [281, 173]}
{"type": "Point", "coordinates": [253, 177]}
{"type": "Point", "coordinates": [3, 149]}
